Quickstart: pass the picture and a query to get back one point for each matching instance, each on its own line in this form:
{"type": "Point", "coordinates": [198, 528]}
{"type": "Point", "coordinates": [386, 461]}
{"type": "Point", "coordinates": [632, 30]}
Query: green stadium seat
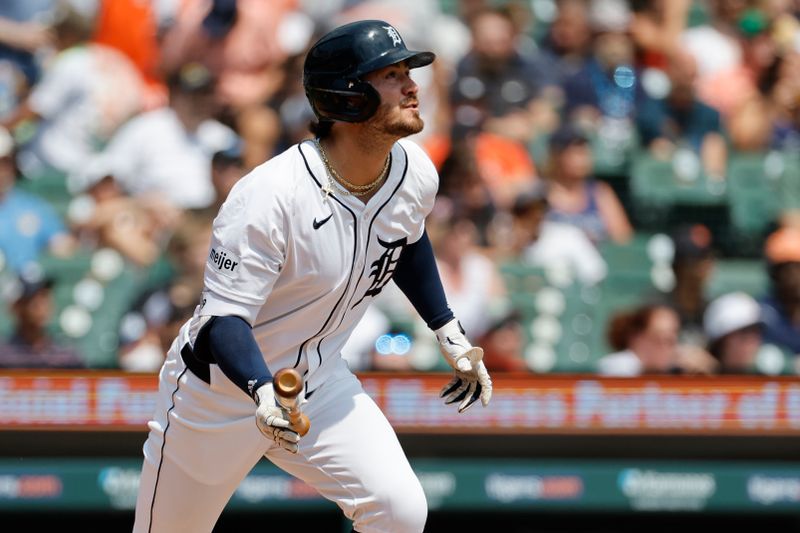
{"type": "Point", "coordinates": [790, 183]}
{"type": "Point", "coordinates": [612, 151]}
{"type": "Point", "coordinates": [50, 187]}
{"type": "Point", "coordinates": [538, 150]}
{"type": "Point", "coordinates": [91, 299]}
{"type": "Point", "coordinates": [667, 191]}
{"type": "Point", "coordinates": [754, 182]}
{"type": "Point", "coordinates": [729, 275]}
{"type": "Point", "coordinates": [559, 317]}
{"type": "Point", "coordinates": [632, 256]}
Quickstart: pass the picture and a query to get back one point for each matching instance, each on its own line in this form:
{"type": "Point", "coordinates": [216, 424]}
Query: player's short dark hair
{"type": "Point", "coordinates": [320, 128]}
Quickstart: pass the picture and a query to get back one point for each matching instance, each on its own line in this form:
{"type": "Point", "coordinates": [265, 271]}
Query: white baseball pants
{"type": "Point", "coordinates": [204, 441]}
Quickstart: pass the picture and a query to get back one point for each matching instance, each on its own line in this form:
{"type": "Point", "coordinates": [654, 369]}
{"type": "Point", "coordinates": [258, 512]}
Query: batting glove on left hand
{"type": "Point", "coordinates": [272, 420]}
{"type": "Point", "coordinates": [471, 380]}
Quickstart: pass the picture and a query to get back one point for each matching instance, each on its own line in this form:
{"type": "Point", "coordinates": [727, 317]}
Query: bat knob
{"type": "Point", "coordinates": [287, 383]}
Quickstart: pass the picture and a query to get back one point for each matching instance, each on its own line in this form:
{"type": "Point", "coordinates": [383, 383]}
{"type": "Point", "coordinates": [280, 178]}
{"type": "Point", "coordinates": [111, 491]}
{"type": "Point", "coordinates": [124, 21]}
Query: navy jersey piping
{"type": "Point", "coordinates": [352, 265]}
{"type": "Point", "coordinates": [163, 444]}
{"type": "Point", "coordinates": [366, 252]}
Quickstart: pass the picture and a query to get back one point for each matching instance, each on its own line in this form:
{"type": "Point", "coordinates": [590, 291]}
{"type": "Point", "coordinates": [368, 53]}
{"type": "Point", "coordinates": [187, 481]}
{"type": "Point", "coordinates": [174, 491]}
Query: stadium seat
{"type": "Point", "coordinates": [50, 187]}
{"type": "Point", "coordinates": [667, 191]}
{"type": "Point", "coordinates": [612, 150]}
{"type": "Point", "coordinates": [559, 318]}
{"type": "Point", "coordinates": [729, 275]}
{"type": "Point", "coordinates": [93, 290]}
{"type": "Point", "coordinates": [755, 182]}
{"type": "Point", "coordinates": [566, 321]}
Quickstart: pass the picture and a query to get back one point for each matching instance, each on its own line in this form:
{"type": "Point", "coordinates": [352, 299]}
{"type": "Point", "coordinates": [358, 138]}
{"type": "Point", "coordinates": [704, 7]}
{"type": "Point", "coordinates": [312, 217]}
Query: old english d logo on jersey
{"type": "Point", "coordinates": [383, 267]}
{"type": "Point", "coordinates": [223, 261]}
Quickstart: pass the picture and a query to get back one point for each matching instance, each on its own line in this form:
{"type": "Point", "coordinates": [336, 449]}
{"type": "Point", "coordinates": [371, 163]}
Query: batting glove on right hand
{"type": "Point", "coordinates": [272, 420]}
{"type": "Point", "coordinates": [471, 380]}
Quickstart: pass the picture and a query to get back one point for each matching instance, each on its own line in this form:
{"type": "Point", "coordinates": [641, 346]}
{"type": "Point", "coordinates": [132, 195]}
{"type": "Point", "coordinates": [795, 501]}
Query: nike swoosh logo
{"type": "Point", "coordinates": [319, 224]}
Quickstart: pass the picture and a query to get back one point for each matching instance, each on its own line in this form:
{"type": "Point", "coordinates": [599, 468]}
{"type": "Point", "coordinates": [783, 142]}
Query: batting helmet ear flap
{"type": "Point", "coordinates": [340, 99]}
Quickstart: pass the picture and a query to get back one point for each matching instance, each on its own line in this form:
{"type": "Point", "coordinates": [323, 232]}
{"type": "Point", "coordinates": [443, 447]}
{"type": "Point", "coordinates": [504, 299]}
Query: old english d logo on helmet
{"type": "Point", "coordinates": [396, 39]}
{"type": "Point", "coordinates": [333, 70]}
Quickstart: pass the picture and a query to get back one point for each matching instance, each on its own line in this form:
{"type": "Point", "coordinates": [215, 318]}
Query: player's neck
{"type": "Point", "coordinates": [357, 160]}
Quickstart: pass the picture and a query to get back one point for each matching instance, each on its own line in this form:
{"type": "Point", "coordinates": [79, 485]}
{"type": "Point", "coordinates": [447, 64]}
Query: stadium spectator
{"type": "Point", "coordinates": [733, 325]}
{"type": "Point", "coordinates": [780, 85]}
{"type": "Point", "coordinates": [85, 94]}
{"type": "Point", "coordinates": [167, 152]}
{"type": "Point", "coordinates": [242, 42]}
{"type": "Point", "coordinates": [148, 328]}
{"type": "Point", "coordinates": [781, 309]}
{"type": "Point", "coordinates": [504, 165]}
{"type": "Point", "coordinates": [135, 227]}
{"type": "Point", "coordinates": [656, 27]}
{"type": "Point", "coordinates": [29, 226]}
{"type": "Point", "coordinates": [461, 183]}
{"type": "Point", "coordinates": [150, 325]}
{"type": "Point", "coordinates": [606, 91]}
{"type": "Point", "coordinates": [567, 44]}
{"type": "Point", "coordinates": [472, 281]}
{"type": "Point", "coordinates": [245, 43]}
{"type": "Point", "coordinates": [135, 28]}
{"type": "Point", "coordinates": [693, 265]}
{"type": "Point", "coordinates": [754, 122]}
{"type": "Point", "coordinates": [503, 345]}
{"type": "Point", "coordinates": [681, 120]}
{"type": "Point", "coordinates": [646, 340]}
{"type": "Point", "coordinates": [578, 199]}
{"type": "Point", "coordinates": [23, 33]}
{"type": "Point", "coordinates": [293, 109]}
{"type": "Point", "coordinates": [31, 345]}
{"type": "Point", "coordinates": [723, 81]}
{"type": "Point", "coordinates": [227, 167]}
{"type": "Point", "coordinates": [750, 127]}
{"type": "Point", "coordinates": [543, 243]}
{"type": "Point", "coordinates": [497, 88]}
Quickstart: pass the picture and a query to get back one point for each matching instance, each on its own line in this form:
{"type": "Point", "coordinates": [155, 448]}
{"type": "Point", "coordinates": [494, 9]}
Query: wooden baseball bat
{"type": "Point", "coordinates": [288, 385]}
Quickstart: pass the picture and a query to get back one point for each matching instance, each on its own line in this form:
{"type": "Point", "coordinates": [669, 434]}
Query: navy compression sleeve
{"type": "Point", "coordinates": [230, 342]}
{"type": "Point", "coordinates": [418, 277]}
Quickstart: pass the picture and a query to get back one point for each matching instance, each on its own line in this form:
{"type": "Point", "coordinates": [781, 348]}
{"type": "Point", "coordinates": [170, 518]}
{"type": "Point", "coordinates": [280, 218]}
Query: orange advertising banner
{"type": "Point", "coordinates": [522, 403]}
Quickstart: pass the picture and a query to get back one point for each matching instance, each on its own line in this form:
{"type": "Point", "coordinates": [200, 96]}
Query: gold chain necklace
{"type": "Point", "coordinates": [344, 185]}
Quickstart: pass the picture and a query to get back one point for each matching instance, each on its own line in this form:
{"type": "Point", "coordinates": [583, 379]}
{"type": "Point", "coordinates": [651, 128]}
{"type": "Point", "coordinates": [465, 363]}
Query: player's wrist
{"type": "Point", "coordinates": [261, 389]}
{"type": "Point", "coordinates": [452, 330]}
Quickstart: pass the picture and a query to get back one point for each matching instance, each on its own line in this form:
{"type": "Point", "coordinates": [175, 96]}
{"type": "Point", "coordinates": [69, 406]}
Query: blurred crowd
{"type": "Point", "coordinates": [619, 180]}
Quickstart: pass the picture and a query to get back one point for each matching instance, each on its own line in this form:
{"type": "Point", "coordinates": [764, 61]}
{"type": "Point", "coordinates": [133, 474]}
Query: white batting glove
{"type": "Point", "coordinates": [273, 421]}
{"type": "Point", "coordinates": [471, 380]}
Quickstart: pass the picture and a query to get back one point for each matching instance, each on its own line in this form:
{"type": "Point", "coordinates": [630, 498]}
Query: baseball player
{"type": "Point", "coordinates": [299, 249]}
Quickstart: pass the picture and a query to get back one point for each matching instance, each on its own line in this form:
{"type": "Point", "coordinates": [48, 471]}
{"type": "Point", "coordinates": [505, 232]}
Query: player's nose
{"type": "Point", "coordinates": [410, 88]}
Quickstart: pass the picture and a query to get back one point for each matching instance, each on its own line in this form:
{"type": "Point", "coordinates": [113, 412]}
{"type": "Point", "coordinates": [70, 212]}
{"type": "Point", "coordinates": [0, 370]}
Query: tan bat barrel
{"type": "Point", "coordinates": [288, 384]}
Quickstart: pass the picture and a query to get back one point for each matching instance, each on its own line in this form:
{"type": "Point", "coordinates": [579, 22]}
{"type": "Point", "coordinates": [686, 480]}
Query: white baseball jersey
{"type": "Point", "coordinates": [302, 267]}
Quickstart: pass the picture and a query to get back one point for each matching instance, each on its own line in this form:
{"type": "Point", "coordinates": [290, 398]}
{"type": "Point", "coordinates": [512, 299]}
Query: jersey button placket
{"type": "Point", "coordinates": [365, 234]}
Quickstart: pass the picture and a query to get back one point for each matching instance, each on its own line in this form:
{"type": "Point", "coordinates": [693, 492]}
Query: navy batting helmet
{"type": "Point", "coordinates": [335, 64]}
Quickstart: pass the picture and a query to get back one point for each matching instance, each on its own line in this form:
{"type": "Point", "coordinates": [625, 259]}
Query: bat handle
{"type": "Point", "coordinates": [299, 422]}
{"type": "Point", "coordinates": [288, 385]}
